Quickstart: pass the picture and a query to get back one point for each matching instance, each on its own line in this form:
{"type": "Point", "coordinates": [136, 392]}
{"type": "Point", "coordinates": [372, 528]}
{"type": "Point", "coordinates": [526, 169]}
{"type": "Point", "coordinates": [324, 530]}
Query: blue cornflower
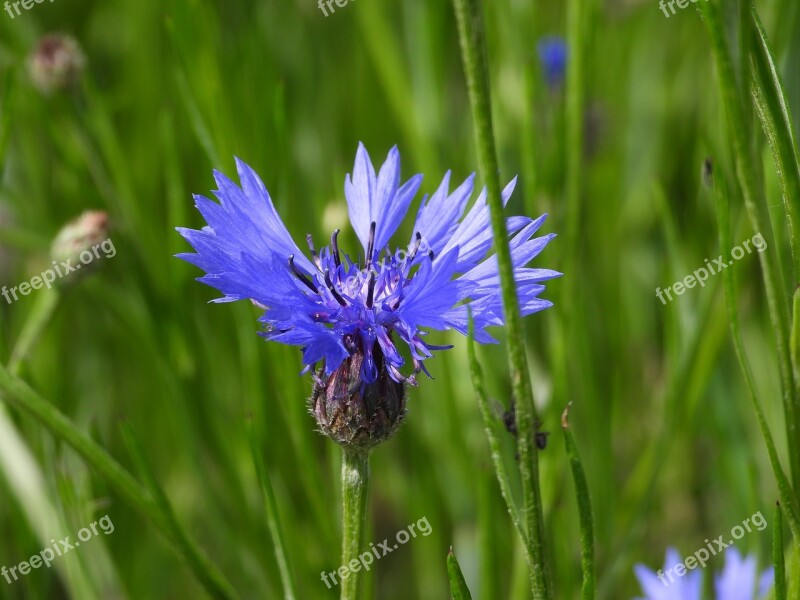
{"type": "Point", "coordinates": [736, 582]}
{"type": "Point", "coordinates": [738, 579]}
{"type": "Point", "coordinates": [553, 56]}
{"type": "Point", "coordinates": [659, 586]}
{"type": "Point", "coordinates": [352, 313]}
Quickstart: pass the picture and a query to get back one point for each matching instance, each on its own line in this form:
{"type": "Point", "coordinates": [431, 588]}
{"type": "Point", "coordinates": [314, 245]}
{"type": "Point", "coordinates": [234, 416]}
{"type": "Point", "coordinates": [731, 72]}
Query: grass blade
{"type": "Point", "coordinates": [773, 110]}
{"type": "Point", "coordinates": [273, 522]}
{"type": "Point", "coordinates": [584, 509]}
{"type": "Point", "coordinates": [458, 586]}
{"type": "Point", "coordinates": [19, 394]}
{"type": "Point", "coordinates": [777, 553]}
{"type": "Point", "coordinates": [204, 570]}
{"type": "Point", "coordinates": [786, 493]}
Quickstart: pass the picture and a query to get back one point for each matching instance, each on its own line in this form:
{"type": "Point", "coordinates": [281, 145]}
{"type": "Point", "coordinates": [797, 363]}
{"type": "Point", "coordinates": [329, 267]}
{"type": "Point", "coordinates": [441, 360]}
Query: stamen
{"type": "Point", "coordinates": [371, 290]}
{"type": "Point", "coordinates": [335, 248]}
{"type": "Point", "coordinates": [301, 276]}
{"type": "Point", "coordinates": [332, 289]}
{"type": "Point", "coordinates": [370, 244]}
{"type": "Point", "coordinates": [314, 256]}
{"type": "Point", "coordinates": [417, 243]}
{"type": "Point", "coordinates": [431, 255]}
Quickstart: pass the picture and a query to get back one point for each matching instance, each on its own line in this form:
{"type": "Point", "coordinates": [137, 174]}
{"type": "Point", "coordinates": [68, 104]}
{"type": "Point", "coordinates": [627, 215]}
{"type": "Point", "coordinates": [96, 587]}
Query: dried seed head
{"type": "Point", "coordinates": [354, 413]}
{"type": "Point", "coordinates": [56, 63]}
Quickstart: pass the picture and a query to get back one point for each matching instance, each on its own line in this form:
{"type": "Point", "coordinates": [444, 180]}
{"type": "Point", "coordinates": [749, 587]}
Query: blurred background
{"type": "Point", "coordinates": [174, 89]}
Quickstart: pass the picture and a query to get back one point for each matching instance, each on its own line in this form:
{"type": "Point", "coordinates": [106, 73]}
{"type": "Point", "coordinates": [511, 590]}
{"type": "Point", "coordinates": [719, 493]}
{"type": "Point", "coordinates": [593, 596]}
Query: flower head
{"type": "Point", "coordinates": [553, 56]}
{"type": "Point", "coordinates": [351, 314]}
{"type": "Point", "coordinates": [736, 582]}
{"type": "Point", "coordinates": [739, 577]}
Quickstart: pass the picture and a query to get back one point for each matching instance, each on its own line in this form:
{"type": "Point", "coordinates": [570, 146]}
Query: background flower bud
{"type": "Point", "coordinates": [81, 238]}
{"type": "Point", "coordinates": [56, 63]}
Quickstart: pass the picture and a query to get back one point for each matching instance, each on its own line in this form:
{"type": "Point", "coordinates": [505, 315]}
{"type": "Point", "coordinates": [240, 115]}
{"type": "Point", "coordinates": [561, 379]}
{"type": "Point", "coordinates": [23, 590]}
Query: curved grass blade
{"type": "Point", "coordinates": [787, 495]}
{"type": "Point", "coordinates": [19, 394]}
{"type": "Point", "coordinates": [206, 572]}
{"type": "Point", "coordinates": [773, 110]}
{"type": "Point", "coordinates": [748, 176]}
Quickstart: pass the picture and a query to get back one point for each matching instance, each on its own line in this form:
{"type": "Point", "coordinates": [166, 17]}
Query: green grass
{"type": "Point", "coordinates": [178, 392]}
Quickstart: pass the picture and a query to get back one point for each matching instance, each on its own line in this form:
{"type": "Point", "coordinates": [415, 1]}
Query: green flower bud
{"type": "Point", "coordinates": [356, 414]}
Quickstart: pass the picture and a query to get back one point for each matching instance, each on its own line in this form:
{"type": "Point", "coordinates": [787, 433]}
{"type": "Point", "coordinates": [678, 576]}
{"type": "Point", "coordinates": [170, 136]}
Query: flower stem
{"type": "Point", "coordinates": [469, 15]}
{"type": "Point", "coordinates": [355, 485]}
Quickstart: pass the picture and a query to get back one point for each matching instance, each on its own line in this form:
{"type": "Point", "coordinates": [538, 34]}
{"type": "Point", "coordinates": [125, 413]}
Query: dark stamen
{"type": "Point", "coordinates": [430, 255]}
{"type": "Point", "coordinates": [301, 276]}
{"type": "Point", "coordinates": [417, 243]}
{"type": "Point", "coordinates": [371, 290]}
{"type": "Point", "coordinates": [335, 248]}
{"type": "Point", "coordinates": [370, 244]}
{"type": "Point", "coordinates": [313, 250]}
{"type": "Point", "coordinates": [329, 283]}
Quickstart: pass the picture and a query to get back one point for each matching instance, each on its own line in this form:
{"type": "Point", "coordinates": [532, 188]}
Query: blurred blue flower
{"type": "Point", "coordinates": [553, 56]}
{"type": "Point", "coordinates": [736, 582]}
{"type": "Point", "coordinates": [738, 579]}
{"type": "Point", "coordinates": [658, 586]}
{"type": "Point", "coordinates": [333, 306]}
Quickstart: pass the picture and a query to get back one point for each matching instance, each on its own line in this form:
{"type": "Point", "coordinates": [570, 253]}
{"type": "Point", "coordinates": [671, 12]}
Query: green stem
{"type": "Point", "coordinates": [41, 313]}
{"type": "Point", "coordinates": [469, 15]}
{"type": "Point", "coordinates": [355, 485]}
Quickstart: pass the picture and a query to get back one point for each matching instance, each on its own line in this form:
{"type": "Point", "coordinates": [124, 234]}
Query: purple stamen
{"type": "Point", "coordinates": [301, 276]}
{"type": "Point", "coordinates": [314, 256]}
{"type": "Point", "coordinates": [332, 289]}
{"type": "Point", "coordinates": [371, 290]}
{"type": "Point", "coordinates": [335, 248]}
{"type": "Point", "coordinates": [370, 244]}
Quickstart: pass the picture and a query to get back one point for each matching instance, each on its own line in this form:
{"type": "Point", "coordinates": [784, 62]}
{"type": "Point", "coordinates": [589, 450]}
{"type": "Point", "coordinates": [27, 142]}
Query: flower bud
{"type": "Point", "coordinates": [354, 413]}
{"type": "Point", "coordinates": [56, 63]}
{"type": "Point", "coordinates": [79, 243]}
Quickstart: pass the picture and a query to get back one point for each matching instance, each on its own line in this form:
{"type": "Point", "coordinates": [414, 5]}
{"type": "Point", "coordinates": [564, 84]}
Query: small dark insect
{"type": "Point", "coordinates": [541, 439]}
{"type": "Point", "coordinates": [510, 420]}
{"type": "Point", "coordinates": [540, 436]}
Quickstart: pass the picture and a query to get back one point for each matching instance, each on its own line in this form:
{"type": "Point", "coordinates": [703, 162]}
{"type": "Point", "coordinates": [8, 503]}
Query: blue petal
{"type": "Point", "coordinates": [437, 219]}
{"type": "Point", "coordinates": [431, 293]}
{"type": "Point", "coordinates": [738, 579]}
{"type": "Point", "coordinates": [378, 198]}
